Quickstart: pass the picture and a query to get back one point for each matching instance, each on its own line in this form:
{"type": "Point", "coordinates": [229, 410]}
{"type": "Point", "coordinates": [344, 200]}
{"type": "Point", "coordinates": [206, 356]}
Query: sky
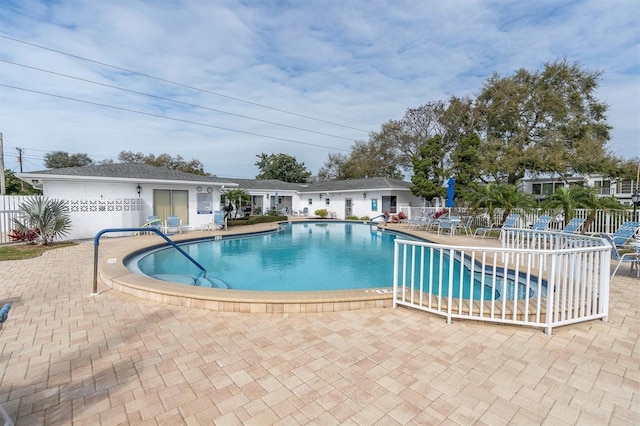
{"type": "Point", "coordinates": [225, 81]}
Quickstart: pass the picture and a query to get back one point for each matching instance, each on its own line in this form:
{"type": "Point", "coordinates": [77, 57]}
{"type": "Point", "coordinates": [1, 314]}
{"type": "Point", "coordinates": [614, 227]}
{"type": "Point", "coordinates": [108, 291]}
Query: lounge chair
{"type": "Point", "coordinates": [632, 257]}
{"type": "Point", "coordinates": [172, 223]}
{"type": "Point", "coordinates": [153, 222]}
{"type": "Point", "coordinates": [573, 226]}
{"type": "Point", "coordinates": [542, 223]}
{"type": "Point", "coordinates": [624, 233]}
{"type": "Point", "coordinates": [509, 223]}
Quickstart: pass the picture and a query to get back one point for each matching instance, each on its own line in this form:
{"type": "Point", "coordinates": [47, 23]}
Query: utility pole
{"type": "Point", "coordinates": [3, 186]}
{"type": "Point", "coordinates": [20, 162]}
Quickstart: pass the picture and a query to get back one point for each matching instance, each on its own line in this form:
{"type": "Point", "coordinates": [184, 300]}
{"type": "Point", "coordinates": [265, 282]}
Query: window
{"type": "Point", "coordinates": [603, 187]}
{"type": "Point", "coordinates": [536, 189]}
{"type": "Point", "coordinates": [168, 202]}
{"type": "Point", "coordinates": [310, 201]}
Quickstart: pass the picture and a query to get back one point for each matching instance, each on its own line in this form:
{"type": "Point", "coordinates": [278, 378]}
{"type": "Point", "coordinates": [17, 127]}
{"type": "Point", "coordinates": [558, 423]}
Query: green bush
{"type": "Point", "coordinates": [351, 218]}
{"type": "Point", "coordinates": [321, 212]}
{"type": "Point", "coordinates": [252, 220]}
{"type": "Point", "coordinates": [367, 218]}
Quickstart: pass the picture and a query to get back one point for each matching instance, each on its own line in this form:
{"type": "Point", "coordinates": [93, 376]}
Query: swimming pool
{"type": "Point", "coordinates": [309, 256]}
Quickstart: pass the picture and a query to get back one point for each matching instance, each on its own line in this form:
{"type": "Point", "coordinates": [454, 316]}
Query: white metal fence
{"type": "Point", "coordinates": [604, 222]}
{"type": "Point", "coordinates": [537, 279]}
{"type": "Point", "coordinates": [9, 205]}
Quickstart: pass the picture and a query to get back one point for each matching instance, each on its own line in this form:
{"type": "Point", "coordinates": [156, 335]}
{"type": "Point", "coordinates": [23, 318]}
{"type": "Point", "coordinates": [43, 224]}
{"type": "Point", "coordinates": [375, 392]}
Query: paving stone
{"type": "Point", "coordinates": [68, 357]}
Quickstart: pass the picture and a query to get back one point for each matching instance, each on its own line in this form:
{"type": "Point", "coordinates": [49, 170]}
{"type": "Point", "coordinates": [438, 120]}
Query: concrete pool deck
{"type": "Point", "coordinates": [67, 357]}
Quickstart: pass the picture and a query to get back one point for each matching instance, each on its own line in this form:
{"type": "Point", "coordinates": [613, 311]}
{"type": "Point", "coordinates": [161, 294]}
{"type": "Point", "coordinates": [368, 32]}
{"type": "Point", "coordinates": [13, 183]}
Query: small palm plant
{"type": "Point", "coordinates": [47, 217]}
{"type": "Point", "coordinates": [237, 197]}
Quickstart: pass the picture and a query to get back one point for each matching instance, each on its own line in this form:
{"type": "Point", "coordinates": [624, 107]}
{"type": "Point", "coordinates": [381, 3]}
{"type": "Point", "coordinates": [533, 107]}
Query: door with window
{"type": "Point", "coordinates": [171, 202]}
{"type": "Point", "coordinates": [389, 203]}
{"type": "Point", "coordinates": [348, 207]}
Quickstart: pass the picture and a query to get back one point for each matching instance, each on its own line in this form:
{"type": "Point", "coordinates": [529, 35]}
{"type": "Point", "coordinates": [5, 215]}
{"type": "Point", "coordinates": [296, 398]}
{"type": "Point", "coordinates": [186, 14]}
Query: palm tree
{"type": "Point", "coordinates": [500, 196]}
{"type": "Point", "coordinates": [567, 200]}
{"type": "Point", "coordinates": [237, 198]}
{"type": "Point", "coordinates": [486, 196]}
{"type": "Point", "coordinates": [607, 204]}
{"type": "Point", "coordinates": [47, 217]}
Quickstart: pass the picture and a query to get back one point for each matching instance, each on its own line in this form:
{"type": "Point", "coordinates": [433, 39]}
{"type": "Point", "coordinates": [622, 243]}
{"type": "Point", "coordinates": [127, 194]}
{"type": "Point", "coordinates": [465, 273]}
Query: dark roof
{"type": "Point", "coordinates": [358, 184]}
{"type": "Point", "coordinates": [127, 170]}
{"type": "Point", "coordinates": [265, 184]}
{"type": "Point", "coordinates": [145, 171]}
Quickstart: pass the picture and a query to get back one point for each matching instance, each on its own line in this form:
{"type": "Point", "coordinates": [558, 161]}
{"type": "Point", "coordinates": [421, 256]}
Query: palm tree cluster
{"type": "Point", "coordinates": [564, 201]}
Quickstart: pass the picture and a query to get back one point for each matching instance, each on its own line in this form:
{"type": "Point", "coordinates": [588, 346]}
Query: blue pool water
{"type": "Point", "coordinates": [308, 256]}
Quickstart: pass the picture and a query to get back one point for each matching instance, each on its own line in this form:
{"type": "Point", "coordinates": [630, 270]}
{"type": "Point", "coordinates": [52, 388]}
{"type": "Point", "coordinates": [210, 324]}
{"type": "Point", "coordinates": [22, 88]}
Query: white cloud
{"type": "Point", "coordinates": [359, 63]}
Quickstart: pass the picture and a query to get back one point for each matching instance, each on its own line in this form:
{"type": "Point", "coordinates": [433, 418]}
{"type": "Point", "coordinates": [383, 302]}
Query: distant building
{"type": "Point", "coordinates": [542, 187]}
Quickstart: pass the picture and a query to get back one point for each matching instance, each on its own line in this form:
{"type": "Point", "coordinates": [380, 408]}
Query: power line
{"type": "Point", "coordinates": [179, 84]}
{"type": "Point", "coordinates": [172, 118]}
{"type": "Point", "coordinates": [171, 100]}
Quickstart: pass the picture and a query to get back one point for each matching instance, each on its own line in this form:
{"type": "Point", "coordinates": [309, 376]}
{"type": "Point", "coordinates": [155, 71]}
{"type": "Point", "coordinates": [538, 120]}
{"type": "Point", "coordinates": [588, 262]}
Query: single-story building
{"type": "Point", "coordinates": [124, 195]}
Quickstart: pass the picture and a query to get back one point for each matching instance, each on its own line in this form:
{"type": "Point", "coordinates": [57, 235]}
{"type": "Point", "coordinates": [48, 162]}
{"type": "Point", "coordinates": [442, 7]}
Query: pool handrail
{"type": "Point", "coordinates": [96, 243]}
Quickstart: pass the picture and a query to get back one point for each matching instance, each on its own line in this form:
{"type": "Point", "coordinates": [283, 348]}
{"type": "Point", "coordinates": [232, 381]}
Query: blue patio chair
{"type": "Point", "coordinates": [573, 226]}
{"type": "Point", "coordinates": [624, 233]}
{"type": "Point", "coordinates": [632, 257]}
{"type": "Point", "coordinates": [542, 223]}
{"type": "Point", "coordinates": [448, 224]}
{"type": "Point", "coordinates": [417, 222]}
{"type": "Point", "coordinates": [509, 223]}
{"type": "Point", "coordinates": [172, 223]}
{"type": "Point", "coordinates": [219, 221]}
{"type": "Point", "coordinates": [467, 226]}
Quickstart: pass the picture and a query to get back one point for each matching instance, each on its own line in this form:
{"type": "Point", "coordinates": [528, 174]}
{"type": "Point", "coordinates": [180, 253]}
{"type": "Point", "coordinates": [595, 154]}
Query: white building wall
{"type": "Point", "coordinates": [100, 205]}
{"type": "Point", "coordinates": [360, 206]}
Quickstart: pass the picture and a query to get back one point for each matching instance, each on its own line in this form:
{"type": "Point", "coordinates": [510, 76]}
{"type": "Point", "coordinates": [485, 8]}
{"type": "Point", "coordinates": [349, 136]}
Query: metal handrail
{"type": "Point", "coordinates": [96, 243]}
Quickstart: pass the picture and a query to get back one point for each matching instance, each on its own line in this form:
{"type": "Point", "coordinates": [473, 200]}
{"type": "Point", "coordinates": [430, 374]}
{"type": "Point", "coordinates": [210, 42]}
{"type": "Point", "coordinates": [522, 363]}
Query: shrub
{"type": "Point", "coordinates": [367, 218]}
{"type": "Point", "coordinates": [351, 218]}
{"type": "Point", "coordinates": [49, 217]}
{"type": "Point", "coordinates": [251, 220]}
{"type": "Point", "coordinates": [321, 212]}
{"type": "Point", "coordinates": [30, 235]}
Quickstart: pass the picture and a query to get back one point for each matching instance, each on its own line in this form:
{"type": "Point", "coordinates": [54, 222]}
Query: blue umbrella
{"type": "Point", "coordinates": [450, 192]}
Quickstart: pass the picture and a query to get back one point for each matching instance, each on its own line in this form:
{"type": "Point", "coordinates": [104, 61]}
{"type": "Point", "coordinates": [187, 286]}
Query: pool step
{"type": "Point", "coordinates": [207, 282]}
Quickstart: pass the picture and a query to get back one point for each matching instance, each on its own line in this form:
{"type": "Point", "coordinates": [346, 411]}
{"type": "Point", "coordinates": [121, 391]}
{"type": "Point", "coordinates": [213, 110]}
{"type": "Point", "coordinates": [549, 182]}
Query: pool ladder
{"type": "Point", "coordinates": [96, 243]}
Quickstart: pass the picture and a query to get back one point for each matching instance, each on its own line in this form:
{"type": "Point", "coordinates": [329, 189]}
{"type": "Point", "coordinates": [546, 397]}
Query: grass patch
{"type": "Point", "coordinates": [28, 251]}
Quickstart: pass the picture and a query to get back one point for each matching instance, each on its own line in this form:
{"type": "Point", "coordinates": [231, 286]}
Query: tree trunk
{"type": "Point", "coordinates": [591, 217]}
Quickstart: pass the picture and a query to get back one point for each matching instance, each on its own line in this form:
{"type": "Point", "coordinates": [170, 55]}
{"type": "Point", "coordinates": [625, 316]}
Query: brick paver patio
{"type": "Point", "coordinates": [71, 358]}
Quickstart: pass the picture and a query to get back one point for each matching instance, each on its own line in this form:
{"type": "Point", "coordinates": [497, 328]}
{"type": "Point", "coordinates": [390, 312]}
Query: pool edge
{"type": "Point", "coordinates": [114, 274]}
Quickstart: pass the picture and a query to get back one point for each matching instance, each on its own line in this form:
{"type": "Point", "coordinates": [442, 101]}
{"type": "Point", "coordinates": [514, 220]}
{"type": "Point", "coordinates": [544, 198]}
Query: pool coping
{"type": "Point", "coordinates": [114, 274]}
